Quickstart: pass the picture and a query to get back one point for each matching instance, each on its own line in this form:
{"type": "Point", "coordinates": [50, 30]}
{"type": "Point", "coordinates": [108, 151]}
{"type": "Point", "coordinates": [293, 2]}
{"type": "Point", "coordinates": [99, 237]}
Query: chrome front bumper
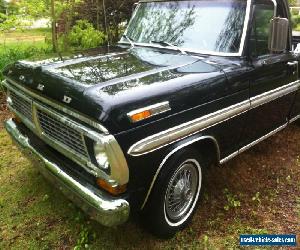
{"type": "Point", "coordinates": [107, 210]}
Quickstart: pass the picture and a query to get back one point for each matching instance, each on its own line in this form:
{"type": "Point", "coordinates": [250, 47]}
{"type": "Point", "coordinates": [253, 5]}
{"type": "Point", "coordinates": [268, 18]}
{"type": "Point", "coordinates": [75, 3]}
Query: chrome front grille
{"type": "Point", "coordinates": [50, 126]}
{"type": "Point", "coordinates": [62, 133]}
{"type": "Point", "coordinates": [21, 105]}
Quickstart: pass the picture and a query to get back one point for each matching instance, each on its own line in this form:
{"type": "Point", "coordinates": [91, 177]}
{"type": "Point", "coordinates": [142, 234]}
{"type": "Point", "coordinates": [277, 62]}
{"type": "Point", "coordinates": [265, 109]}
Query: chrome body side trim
{"type": "Point", "coordinates": [171, 135]}
{"type": "Point", "coordinates": [105, 209]}
{"type": "Point", "coordinates": [9, 83]}
{"type": "Point", "coordinates": [155, 109]}
{"type": "Point", "coordinates": [294, 119]}
{"type": "Point", "coordinates": [172, 153]}
{"type": "Point", "coordinates": [274, 94]}
{"type": "Point", "coordinates": [243, 149]}
{"type": "Point", "coordinates": [174, 134]}
{"type": "Point", "coordinates": [239, 53]}
{"type": "Point", "coordinates": [256, 102]}
{"type": "Point", "coordinates": [224, 160]}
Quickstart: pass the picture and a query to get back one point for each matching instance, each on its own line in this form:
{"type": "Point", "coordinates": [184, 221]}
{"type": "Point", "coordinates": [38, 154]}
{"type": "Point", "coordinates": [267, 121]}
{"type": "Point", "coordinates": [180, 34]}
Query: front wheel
{"type": "Point", "coordinates": [175, 195]}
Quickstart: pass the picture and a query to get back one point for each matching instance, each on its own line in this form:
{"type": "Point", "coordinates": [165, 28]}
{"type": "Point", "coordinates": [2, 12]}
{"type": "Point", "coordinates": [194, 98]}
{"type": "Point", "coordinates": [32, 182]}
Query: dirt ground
{"type": "Point", "coordinates": [4, 113]}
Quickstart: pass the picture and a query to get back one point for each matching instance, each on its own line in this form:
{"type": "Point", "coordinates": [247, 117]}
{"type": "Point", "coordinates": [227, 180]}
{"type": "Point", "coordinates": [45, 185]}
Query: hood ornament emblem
{"type": "Point", "coordinates": [67, 99]}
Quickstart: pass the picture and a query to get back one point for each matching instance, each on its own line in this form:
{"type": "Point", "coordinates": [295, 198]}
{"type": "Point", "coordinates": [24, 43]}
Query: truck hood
{"type": "Point", "coordinates": [107, 84]}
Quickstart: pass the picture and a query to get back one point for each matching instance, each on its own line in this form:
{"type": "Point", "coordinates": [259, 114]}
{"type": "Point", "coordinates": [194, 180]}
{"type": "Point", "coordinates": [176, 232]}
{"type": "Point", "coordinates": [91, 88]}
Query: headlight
{"type": "Point", "coordinates": [101, 156]}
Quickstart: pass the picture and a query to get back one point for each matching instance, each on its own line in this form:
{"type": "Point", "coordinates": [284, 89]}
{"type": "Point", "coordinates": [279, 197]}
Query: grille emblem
{"type": "Point", "coordinates": [40, 87]}
{"type": "Point", "coordinates": [22, 78]}
{"type": "Point", "coordinates": [67, 99]}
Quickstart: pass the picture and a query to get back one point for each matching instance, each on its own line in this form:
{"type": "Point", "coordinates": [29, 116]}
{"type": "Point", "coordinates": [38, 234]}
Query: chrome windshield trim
{"type": "Point", "coordinates": [8, 82]}
{"type": "Point", "coordinates": [246, 26]}
{"type": "Point", "coordinates": [213, 53]}
{"type": "Point", "coordinates": [204, 52]}
{"type": "Point", "coordinates": [275, 7]}
{"type": "Point", "coordinates": [167, 137]}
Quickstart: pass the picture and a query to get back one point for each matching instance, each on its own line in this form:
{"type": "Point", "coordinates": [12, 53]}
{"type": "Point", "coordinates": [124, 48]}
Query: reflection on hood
{"type": "Point", "coordinates": [101, 69]}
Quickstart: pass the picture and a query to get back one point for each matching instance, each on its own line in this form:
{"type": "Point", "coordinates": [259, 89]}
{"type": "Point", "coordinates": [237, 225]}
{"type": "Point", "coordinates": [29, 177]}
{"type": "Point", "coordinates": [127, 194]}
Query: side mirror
{"type": "Point", "coordinates": [278, 36]}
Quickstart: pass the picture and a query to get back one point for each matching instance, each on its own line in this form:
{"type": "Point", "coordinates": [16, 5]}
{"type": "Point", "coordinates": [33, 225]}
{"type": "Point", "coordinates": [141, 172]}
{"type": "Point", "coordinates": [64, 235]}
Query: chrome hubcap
{"type": "Point", "coordinates": [181, 191]}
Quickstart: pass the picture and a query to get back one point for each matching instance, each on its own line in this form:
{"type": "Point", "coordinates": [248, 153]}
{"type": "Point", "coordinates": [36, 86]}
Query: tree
{"type": "Point", "coordinates": [3, 7]}
{"type": "Point", "coordinates": [35, 8]}
{"type": "Point", "coordinates": [52, 9]}
{"type": "Point", "coordinates": [112, 16]}
{"type": "Point", "coordinates": [53, 24]}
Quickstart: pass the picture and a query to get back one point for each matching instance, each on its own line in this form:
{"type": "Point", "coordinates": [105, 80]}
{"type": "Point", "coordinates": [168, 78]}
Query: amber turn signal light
{"type": "Point", "coordinates": [141, 116]}
{"type": "Point", "coordinates": [17, 119]}
{"type": "Point", "coordinates": [112, 190]}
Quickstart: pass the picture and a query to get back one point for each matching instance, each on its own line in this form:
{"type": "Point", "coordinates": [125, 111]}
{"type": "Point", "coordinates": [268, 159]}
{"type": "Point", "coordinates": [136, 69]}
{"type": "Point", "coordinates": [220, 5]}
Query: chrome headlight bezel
{"type": "Point", "coordinates": [101, 156]}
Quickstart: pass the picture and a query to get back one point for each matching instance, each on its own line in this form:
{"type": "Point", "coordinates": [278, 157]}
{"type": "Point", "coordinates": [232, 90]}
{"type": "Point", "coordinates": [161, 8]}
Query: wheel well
{"type": "Point", "coordinates": [209, 149]}
{"type": "Point", "coordinates": [206, 146]}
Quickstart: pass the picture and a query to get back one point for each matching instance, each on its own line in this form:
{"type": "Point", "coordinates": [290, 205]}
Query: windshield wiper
{"type": "Point", "coordinates": [165, 44]}
{"type": "Point", "coordinates": [129, 40]}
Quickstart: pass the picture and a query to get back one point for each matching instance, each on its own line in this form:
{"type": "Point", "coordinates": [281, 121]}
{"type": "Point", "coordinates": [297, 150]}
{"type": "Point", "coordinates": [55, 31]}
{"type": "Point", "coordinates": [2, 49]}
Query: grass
{"type": "Point", "coordinates": [19, 45]}
{"type": "Point", "coordinates": [19, 36]}
{"type": "Point", "coordinates": [34, 215]}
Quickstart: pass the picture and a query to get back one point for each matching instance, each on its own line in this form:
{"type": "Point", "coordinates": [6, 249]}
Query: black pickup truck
{"type": "Point", "coordinates": [131, 129]}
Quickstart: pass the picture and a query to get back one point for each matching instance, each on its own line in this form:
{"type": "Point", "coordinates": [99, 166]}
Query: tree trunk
{"type": "Point", "coordinates": [98, 14]}
{"type": "Point", "coordinates": [54, 34]}
{"type": "Point", "coordinates": [106, 23]}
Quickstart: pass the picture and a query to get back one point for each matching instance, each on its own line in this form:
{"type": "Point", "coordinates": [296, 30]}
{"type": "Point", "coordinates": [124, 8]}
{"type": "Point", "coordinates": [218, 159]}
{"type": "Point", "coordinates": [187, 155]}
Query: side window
{"type": "Point", "coordinates": [263, 13]}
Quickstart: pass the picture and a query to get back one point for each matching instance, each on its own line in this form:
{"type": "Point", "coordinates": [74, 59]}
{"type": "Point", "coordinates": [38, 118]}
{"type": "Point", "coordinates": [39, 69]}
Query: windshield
{"type": "Point", "coordinates": [207, 26]}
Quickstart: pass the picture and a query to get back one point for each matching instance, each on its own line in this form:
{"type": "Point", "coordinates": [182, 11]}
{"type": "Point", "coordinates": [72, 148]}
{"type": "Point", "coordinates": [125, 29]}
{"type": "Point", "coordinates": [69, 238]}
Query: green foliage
{"type": "Point", "coordinates": [85, 237]}
{"type": "Point", "coordinates": [35, 8]}
{"type": "Point", "coordinates": [14, 53]}
{"type": "Point", "coordinates": [9, 7]}
{"type": "Point", "coordinates": [84, 35]}
{"type": "Point", "coordinates": [2, 6]}
{"type": "Point", "coordinates": [3, 17]}
{"type": "Point", "coordinates": [232, 200]}
{"type": "Point", "coordinates": [8, 22]}
{"type": "Point", "coordinates": [256, 198]}
{"type": "Point", "coordinates": [295, 20]}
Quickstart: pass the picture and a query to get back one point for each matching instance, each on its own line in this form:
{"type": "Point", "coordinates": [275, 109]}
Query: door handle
{"type": "Point", "coordinates": [293, 67]}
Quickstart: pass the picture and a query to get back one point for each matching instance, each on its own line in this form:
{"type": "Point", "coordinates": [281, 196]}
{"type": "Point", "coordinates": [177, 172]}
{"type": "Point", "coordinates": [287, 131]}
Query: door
{"type": "Point", "coordinates": [273, 83]}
